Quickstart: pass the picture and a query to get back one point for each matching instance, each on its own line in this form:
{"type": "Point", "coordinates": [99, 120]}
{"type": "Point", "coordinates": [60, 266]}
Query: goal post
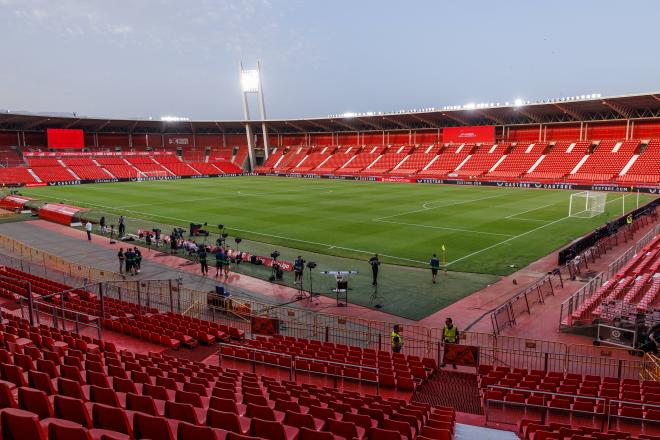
{"type": "Point", "coordinates": [587, 204]}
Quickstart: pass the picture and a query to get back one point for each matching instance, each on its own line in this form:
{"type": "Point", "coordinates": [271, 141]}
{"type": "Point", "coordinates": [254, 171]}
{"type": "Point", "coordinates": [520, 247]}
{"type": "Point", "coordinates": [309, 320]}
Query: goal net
{"type": "Point", "coordinates": [587, 204]}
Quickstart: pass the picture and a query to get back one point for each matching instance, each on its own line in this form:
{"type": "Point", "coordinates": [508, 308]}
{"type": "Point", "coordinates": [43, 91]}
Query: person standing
{"type": "Point", "coordinates": [138, 259]}
{"type": "Point", "coordinates": [121, 258]}
{"type": "Point", "coordinates": [374, 268]}
{"type": "Point", "coordinates": [396, 339]}
{"type": "Point", "coordinates": [129, 261]}
{"type": "Point", "coordinates": [122, 226]}
{"type": "Point", "coordinates": [88, 229]}
{"type": "Point", "coordinates": [225, 262]}
{"type": "Point", "coordinates": [201, 253]}
{"type": "Point", "coordinates": [219, 261]}
{"type": "Point", "coordinates": [435, 266]}
{"type": "Point", "coordinates": [449, 336]}
{"type": "Point", "coordinates": [102, 224]}
{"type": "Point", "coordinates": [298, 267]}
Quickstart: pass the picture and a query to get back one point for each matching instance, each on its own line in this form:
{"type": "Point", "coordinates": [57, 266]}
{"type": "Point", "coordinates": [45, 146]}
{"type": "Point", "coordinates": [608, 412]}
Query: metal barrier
{"type": "Point", "coordinates": [573, 302]}
{"type": "Point", "coordinates": [611, 416]}
{"type": "Point", "coordinates": [505, 315]}
{"type": "Point", "coordinates": [542, 408]}
{"type": "Point", "coordinates": [243, 348]}
{"type": "Point", "coordinates": [292, 363]}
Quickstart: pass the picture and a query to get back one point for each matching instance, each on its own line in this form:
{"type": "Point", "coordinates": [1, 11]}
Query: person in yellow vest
{"type": "Point", "coordinates": [396, 339]}
{"type": "Point", "coordinates": [449, 336]}
{"type": "Point", "coordinates": [629, 219]}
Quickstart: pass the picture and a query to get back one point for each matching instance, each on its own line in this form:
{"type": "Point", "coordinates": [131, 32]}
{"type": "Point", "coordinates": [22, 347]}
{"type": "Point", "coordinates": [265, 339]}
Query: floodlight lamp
{"type": "Point", "coordinates": [250, 81]}
{"type": "Point", "coordinates": [470, 106]}
{"type": "Point", "coordinates": [518, 102]}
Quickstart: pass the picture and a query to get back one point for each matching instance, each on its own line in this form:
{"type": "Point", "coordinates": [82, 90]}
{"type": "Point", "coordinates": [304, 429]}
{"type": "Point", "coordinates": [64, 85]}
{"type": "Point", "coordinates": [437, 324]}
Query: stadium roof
{"type": "Point", "coordinates": [596, 109]}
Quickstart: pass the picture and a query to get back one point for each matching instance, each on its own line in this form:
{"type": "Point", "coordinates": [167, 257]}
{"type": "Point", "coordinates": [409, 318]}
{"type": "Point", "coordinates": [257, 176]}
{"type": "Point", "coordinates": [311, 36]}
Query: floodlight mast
{"type": "Point", "coordinates": [251, 83]}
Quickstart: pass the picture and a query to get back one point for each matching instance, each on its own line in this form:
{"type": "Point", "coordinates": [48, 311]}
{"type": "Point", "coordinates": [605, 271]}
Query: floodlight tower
{"type": "Point", "coordinates": [251, 83]}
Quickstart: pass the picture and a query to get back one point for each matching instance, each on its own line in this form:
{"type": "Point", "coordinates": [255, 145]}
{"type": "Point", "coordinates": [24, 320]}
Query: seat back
{"type": "Point", "coordinates": [299, 420]}
{"type": "Point", "coordinates": [181, 411]}
{"type": "Point", "coordinates": [267, 429]}
{"type": "Point", "coordinates": [20, 425]}
{"type": "Point", "coordinates": [312, 434]}
{"type": "Point", "coordinates": [223, 420]}
{"type": "Point", "coordinates": [143, 404]}
{"type": "Point", "coordinates": [112, 418]}
{"type": "Point", "coordinates": [344, 429]}
{"type": "Point", "coordinates": [187, 431]}
{"type": "Point", "coordinates": [72, 409]}
{"type": "Point", "coordinates": [35, 401]}
{"type": "Point", "coordinates": [66, 430]}
{"type": "Point", "coordinates": [146, 426]}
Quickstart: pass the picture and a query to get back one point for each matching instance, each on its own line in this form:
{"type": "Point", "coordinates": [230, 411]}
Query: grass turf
{"type": "Point", "coordinates": [487, 231]}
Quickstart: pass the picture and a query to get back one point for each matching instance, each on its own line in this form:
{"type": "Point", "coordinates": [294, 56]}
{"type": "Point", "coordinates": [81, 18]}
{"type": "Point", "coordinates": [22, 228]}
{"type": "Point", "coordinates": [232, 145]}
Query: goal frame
{"type": "Point", "coordinates": [594, 204]}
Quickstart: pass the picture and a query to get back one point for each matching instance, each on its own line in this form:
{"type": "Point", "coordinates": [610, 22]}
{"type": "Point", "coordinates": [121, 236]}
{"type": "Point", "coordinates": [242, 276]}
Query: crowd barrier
{"type": "Point", "coordinates": [298, 364]}
{"type": "Point", "coordinates": [422, 341]}
{"type": "Point", "coordinates": [604, 416]}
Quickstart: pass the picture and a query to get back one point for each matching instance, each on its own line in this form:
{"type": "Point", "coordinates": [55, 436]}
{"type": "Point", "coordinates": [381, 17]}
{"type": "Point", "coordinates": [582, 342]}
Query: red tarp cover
{"type": "Point", "coordinates": [13, 202]}
{"type": "Point", "coordinates": [59, 213]}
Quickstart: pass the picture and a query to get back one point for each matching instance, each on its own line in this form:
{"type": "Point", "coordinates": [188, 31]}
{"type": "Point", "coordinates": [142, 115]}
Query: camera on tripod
{"type": "Point", "coordinates": [311, 265]}
{"type": "Point", "coordinates": [275, 255]}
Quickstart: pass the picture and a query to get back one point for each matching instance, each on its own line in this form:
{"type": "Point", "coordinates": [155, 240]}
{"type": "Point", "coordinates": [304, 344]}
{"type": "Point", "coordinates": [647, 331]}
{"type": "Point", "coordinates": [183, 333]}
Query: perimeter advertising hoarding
{"type": "Point", "coordinates": [474, 134]}
{"type": "Point", "coordinates": [65, 138]}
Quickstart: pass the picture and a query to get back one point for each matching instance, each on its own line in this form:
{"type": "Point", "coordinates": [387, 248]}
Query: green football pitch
{"type": "Point", "coordinates": [486, 232]}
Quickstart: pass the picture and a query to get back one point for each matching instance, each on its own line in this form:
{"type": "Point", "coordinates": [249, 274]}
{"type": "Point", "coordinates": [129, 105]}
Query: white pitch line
{"type": "Point", "coordinates": [505, 241]}
{"type": "Point", "coordinates": [329, 246]}
{"type": "Point", "coordinates": [445, 228]}
{"type": "Point", "coordinates": [529, 210]}
{"type": "Point", "coordinates": [440, 206]}
{"type": "Point", "coordinates": [515, 237]}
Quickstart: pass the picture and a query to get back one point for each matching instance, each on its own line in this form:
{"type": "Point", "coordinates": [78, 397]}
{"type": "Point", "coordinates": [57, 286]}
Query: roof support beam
{"type": "Point", "coordinates": [318, 124]}
{"type": "Point", "coordinates": [36, 123]}
{"type": "Point", "coordinates": [102, 126]}
{"type": "Point", "coordinates": [489, 116]}
{"type": "Point", "coordinates": [220, 129]}
{"type": "Point", "coordinates": [426, 121]}
{"type": "Point", "coordinates": [395, 122]}
{"type": "Point", "coordinates": [530, 115]}
{"type": "Point", "coordinates": [456, 118]}
{"type": "Point", "coordinates": [344, 124]}
{"type": "Point", "coordinates": [619, 108]}
{"type": "Point", "coordinates": [367, 121]}
{"type": "Point", "coordinates": [574, 114]}
{"type": "Point", "coordinates": [72, 123]}
{"type": "Point", "coordinates": [297, 127]}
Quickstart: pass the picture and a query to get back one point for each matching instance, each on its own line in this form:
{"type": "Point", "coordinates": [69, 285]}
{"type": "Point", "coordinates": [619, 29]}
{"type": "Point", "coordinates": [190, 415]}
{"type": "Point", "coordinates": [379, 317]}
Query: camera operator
{"type": "Point", "coordinates": [298, 268]}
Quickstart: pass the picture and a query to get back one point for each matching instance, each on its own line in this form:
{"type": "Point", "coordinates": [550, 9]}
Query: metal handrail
{"type": "Point", "coordinates": [294, 359]}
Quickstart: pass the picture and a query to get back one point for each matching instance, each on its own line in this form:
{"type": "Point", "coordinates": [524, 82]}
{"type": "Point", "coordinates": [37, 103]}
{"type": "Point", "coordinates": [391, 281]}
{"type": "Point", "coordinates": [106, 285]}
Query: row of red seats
{"type": "Point", "coordinates": [529, 429]}
{"type": "Point", "coordinates": [635, 284]}
{"type": "Point", "coordinates": [94, 392]}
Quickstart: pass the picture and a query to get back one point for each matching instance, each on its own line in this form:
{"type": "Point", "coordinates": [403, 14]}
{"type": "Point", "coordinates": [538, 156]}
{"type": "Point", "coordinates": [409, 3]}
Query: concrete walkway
{"type": "Point", "coordinates": [71, 244]}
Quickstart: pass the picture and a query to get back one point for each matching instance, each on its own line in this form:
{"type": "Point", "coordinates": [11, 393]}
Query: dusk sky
{"type": "Point", "coordinates": [142, 58]}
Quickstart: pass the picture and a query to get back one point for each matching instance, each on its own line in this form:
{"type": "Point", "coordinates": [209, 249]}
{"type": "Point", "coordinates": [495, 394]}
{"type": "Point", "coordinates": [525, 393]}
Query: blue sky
{"type": "Point", "coordinates": [144, 58]}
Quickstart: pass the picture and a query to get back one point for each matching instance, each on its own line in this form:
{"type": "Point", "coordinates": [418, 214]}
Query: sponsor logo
{"type": "Point", "coordinates": [64, 183]}
{"type": "Point", "coordinates": [432, 181]}
{"type": "Point", "coordinates": [106, 180]}
{"type": "Point", "coordinates": [178, 141]}
{"type": "Point", "coordinates": [394, 179]}
{"type": "Point", "coordinates": [610, 188]}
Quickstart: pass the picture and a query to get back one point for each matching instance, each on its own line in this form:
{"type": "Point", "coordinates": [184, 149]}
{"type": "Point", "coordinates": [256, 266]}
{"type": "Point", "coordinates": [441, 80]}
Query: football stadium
{"type": "Point", "coordinates": [483, 270]}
